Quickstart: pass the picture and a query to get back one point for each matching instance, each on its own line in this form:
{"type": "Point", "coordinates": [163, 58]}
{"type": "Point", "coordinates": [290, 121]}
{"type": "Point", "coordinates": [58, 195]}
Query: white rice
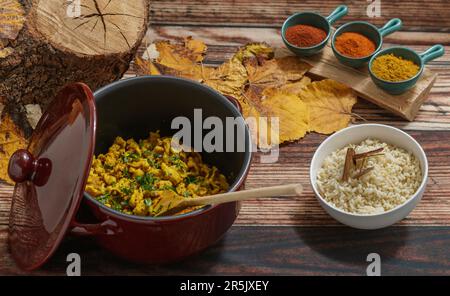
{"type": "Point", "coordinates": [395, 178]}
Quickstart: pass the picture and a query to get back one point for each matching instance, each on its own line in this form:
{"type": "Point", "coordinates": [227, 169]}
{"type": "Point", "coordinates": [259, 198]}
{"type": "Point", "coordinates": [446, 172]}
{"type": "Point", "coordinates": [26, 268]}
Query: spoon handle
{"type": "Point", "coordinates": [291, 189]}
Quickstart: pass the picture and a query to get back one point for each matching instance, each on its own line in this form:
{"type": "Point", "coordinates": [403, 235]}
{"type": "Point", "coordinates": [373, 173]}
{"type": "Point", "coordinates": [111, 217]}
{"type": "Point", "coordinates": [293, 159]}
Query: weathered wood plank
{"type": "Point", "coordinates": [275, 251]}
{"type": "Point", "coordinates": [418, 15]}
{"type": "Point", "coordinates": [293, 166]}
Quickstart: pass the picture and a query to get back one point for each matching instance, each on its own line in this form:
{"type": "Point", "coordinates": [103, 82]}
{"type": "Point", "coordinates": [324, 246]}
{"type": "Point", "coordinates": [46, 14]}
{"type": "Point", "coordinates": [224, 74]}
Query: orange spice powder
{"type": "Point", "coordinates": [305, 35]}
{"type": "Point", "coordinates": [354, 45]}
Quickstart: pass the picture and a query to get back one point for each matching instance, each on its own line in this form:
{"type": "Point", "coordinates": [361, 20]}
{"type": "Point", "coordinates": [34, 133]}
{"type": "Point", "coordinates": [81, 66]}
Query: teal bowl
{"type": "Point", "coordinates": [421, 59]}
{"type": "Point", "coordinates": [312, 19]}
{"type": "Point", "coordinates": [370, 31]}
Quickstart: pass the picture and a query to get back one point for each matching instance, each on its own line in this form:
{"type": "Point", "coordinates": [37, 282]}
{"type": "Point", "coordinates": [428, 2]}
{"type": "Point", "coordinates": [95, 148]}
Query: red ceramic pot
{"type": "Point", "coordinates": [131, 109]}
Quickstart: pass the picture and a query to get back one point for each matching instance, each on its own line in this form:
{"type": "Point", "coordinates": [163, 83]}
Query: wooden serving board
{"type": "Point", "coordinates": [406, 105]}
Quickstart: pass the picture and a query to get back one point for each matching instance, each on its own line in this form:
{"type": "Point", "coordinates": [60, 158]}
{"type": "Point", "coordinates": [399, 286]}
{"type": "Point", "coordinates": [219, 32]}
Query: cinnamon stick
{"type": "Point", "coordinates": [363, 172]}
{"type": "Point", "coordinates": [349, 158]}
{"type": "Point", "coordinates": [367, 154]}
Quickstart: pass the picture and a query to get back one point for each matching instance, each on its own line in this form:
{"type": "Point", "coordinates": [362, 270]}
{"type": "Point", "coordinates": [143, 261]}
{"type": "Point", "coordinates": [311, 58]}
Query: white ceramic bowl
{"type": "Point", "coordinates": [356, 134]}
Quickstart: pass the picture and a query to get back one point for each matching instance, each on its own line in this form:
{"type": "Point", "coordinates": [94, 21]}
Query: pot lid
{"type": "Point", "coordinates": [51, 175]}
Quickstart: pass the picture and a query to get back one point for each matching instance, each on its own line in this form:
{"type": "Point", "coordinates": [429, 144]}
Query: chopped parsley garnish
{"type": "Point", "coordinates": [148, 202]}
{"type": "Point", "coordinates": [104, 198]}
{"type": "Point", "coordinates": [146, 181]}
{"type": "Point", "coordinates": [153, 163]}
{"type": "Point", "coordinates": [126, 190]}
{"type": "Point", "coordinates": [127, 157]}
{"type": "Point", "coordinates": [174, 158]}
{"type": "Point", "coordinates": [168, 187]}
{"type": "Point", "coordinates": [190, 179]}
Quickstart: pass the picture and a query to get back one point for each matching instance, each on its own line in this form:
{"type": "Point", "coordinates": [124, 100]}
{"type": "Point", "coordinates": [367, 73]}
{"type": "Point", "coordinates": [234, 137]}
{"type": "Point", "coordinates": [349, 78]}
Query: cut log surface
{"type": "Point", "coordinates": [101, 28]}
{"type": "Point", "coordinates": [60, 44]}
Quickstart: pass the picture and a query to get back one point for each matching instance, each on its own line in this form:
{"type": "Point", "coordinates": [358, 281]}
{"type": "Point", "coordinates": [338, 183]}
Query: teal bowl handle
{"type": "Point", "coordinates": [390, 27]}
{"type": "Point", "coordinates": [432, 53]}
{"type": "Point", "coordinates": [339, 12]}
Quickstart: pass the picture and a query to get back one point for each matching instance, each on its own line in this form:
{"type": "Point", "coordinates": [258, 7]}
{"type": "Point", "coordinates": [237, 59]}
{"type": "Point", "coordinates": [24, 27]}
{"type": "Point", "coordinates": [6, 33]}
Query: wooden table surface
{"type": "Point", "coordinates": [295, 236]}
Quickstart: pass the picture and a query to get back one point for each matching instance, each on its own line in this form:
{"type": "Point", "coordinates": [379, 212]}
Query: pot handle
{"type": "Point", "coordinates": [390, 27]}
{"type": "Point", "coordinates": [107, 227]}
{"type": "Point", "coordinates": [432, 53]}
{"type": "Point", "coordinates": [339, 12]}
{"type": "Point", "coordinates": [235, 102]}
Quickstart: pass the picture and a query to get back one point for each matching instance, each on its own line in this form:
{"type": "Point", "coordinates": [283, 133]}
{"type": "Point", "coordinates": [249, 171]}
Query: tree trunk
{"type": "Point", "coordinates": [46, 44]}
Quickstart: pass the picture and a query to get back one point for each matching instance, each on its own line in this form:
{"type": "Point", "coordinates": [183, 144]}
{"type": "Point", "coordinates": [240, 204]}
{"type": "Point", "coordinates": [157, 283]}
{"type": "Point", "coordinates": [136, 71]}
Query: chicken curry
{"type": "Point", "coordinates": [133, 177]}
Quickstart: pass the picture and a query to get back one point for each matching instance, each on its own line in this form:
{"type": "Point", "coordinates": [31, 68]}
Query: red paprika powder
{"type": "Point", "coordinates": [305, 35]}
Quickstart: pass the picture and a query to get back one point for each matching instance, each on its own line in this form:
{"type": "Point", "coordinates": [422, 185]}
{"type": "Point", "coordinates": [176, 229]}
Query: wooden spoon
{"type": "Point", "coordinates": [172, 203]}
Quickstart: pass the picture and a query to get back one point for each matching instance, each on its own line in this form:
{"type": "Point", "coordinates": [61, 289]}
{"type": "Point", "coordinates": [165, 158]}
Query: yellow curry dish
{"type": "Point", "coordinates": [132, 177]}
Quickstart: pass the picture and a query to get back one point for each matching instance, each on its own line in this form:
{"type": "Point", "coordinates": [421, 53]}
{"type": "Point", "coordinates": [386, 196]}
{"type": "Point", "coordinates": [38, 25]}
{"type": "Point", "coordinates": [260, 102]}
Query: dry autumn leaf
{"type": "Point", "coordinates": [270, 90]}
{"type": "Point", "coordinates": [146, 67]}
{"type": "Point", "coordinates": [261, 50]}
{"type": "Point", "coordinates": [274, 73]}
{"type": "Point", "coordinates": [330, 104]}
{"type": "Point", "coordinates": [11, 139]}
{"type": "Point", "coordinates": [295, 87]}
{"type": "Point", "coordinates": [12, 18]}
{"type": "Point", "coordinates": [228, 79]}
{"type": "Point", "coordinates": [231, 77]}
{"type": "Point", "coordinates": [181, 60]}
{"type": "Point", "coordinates": [290, 113]}
{"type": "Point", "coordinates": [196, 49]}
{"type": "Point", "coordinates": [4, 52]}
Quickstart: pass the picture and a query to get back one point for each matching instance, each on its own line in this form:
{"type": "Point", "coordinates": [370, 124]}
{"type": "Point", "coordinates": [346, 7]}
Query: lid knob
{"type": "Point", "coordinates": [24, 167]}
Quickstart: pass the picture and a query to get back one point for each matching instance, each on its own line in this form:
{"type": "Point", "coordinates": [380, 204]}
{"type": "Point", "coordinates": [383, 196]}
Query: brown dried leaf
{"type": "Point", "coordinates": [228, 79]}
{"type": "Point", "coordinates": [12, 19]}
{"type": "Point", "coordinates": [274, 73]}
{"type": "Point", "coordinates": [260, 50]}
{"type": "Point", "coordinates": [330, 104]}
{"type": "Point", "coordinates": [181, 59]}
{"type": "Point", "coordinates": [295, 87]}
{"type": "Point", "coordinates": [11, 139]}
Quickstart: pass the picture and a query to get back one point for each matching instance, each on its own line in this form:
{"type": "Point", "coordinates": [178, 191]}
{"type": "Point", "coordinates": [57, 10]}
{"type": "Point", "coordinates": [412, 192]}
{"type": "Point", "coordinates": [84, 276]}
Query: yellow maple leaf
{"type": "Point", "coordinates": [295, 87]}
{"type": "Point", "coordinates": [228, 79]}
{"type": "Point", "coordinates": [330, 105]}
{"type": "Point", "coordinates": [11, 139]}
{"type": "Point", "coordinates": [196, 49]}
{"type": "Point", "coordinates": [278, 117]}
{"type": "Point", "coordinates": [146, 67]}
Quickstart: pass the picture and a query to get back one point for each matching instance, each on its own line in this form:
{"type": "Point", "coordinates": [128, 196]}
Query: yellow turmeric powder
{"type": "Point", "coordinates": [392, 68]}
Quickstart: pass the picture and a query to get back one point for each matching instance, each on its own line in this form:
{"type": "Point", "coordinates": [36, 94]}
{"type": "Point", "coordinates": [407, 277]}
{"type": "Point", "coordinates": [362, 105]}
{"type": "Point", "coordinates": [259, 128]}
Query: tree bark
{"type": "Point", "coordinates": [54, 44]}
